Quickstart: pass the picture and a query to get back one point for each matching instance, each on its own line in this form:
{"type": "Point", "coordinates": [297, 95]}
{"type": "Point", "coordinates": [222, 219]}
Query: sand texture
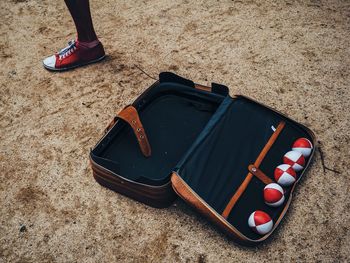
{"type": "Point", "coordinates": [291, 55]}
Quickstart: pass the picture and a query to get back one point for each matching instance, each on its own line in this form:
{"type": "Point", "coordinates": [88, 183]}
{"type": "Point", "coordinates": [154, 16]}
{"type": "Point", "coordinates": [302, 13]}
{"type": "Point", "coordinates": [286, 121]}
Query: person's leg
{"type": "Point", "coordinates": [86, 49]}
{"type": "Point", "coordinates": [80, 12]}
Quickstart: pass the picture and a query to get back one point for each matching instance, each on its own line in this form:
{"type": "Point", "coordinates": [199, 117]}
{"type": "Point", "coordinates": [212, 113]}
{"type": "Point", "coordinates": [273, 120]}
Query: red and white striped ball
{"type": "Point", "coordinates": [260, 222]}
{"type": "Point", "coordinates": [303, 145]}
{"type": "Point", "coordinates": [285, 175]}
{"type": "Point", "coordinates": [294, 159]}
{"type": "Point", "coordinates": [273, 195]}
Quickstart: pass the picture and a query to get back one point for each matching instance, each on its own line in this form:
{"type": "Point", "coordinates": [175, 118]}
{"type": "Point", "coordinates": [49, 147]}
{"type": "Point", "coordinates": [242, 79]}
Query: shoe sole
{"type": "Point", "coordinates": [75, 66]}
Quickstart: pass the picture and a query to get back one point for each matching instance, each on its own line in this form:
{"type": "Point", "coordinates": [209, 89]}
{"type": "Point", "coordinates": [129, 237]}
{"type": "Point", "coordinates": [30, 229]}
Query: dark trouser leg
{"type": "Point", "coordinates": [80, 11]}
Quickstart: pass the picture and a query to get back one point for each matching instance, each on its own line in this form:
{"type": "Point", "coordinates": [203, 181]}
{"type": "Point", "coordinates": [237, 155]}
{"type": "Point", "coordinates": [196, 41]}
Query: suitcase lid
{"type": "Point", "coordinates": [225, 171]}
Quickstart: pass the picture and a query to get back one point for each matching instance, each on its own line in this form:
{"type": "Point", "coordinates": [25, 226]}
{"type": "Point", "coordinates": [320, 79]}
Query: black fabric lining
{"type": "Point", "coordinates": [218, 167]}
{"type": "Point", "coordinates": [172, 121]}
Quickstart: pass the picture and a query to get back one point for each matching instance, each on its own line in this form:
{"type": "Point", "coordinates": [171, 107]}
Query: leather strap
{"type": "Point", "coordinates": [259, 174]}
{"type": "Point", "coordinates": [215, 88]}
{"type": "Point", "coordinates": [130, 115]}
{"type": "Point", "coordinates": [202, 87]}
{"type": "Point", "coordinates": [249, 176]}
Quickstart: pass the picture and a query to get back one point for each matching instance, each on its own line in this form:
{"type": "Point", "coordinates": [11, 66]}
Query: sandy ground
{"type": "Point", "coordinates": [293, 56]}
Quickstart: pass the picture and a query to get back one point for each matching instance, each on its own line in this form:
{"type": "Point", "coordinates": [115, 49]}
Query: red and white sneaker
{"type": "Point", "coordinates": [74, 55]}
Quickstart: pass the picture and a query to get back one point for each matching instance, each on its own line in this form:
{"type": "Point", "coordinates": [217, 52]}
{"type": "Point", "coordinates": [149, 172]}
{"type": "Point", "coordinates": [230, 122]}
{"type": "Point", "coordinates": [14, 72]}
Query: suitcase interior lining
{"type": "Point", "coordinates": [219, 163]}
{"type": "Point", "coordinates": [173, 116]}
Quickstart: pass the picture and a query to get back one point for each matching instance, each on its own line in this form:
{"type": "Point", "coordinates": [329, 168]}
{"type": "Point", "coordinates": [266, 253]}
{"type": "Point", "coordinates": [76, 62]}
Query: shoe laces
{"type": "Point", "coordinates": [67, 51]}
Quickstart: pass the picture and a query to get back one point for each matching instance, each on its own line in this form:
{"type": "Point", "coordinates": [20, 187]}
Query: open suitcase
{"type": "Point", "coordinates": [214, 151]}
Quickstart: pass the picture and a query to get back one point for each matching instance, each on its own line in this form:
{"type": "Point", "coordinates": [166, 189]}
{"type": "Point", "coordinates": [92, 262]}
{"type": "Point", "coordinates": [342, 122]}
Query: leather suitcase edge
{"type": "Point", "coordinates": [189, 196]}
{"type": "Point", "coordinates": [155, 196]}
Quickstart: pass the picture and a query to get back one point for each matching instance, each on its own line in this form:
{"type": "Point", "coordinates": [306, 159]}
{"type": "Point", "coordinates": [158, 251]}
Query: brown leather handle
{"type": "Point", "coordinates": [130, 116]}
{"type": "Point", "coordinates": [215, 88]}
{"type": "Point", "coordinates": [202, 87]}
